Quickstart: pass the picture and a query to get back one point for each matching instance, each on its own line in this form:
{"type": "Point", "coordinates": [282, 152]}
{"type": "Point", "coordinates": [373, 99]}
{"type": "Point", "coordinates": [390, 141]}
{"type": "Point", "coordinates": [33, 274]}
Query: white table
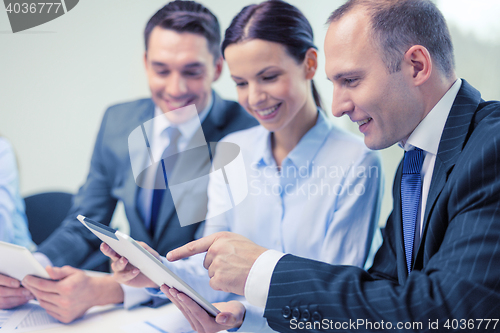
{"type": "Point", "coordinates": [111, 319]}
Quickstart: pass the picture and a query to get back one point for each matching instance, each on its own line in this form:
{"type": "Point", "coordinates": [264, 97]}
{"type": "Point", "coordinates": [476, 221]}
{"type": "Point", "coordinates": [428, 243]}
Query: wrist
{"type": "Point", "coordinates": [108, 290]}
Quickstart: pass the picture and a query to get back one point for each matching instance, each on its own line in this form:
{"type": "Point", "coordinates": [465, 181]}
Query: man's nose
{"type": "Point", "coordinates": [176, 86]}
{"type": "Point", "coordinates": [341, 103]}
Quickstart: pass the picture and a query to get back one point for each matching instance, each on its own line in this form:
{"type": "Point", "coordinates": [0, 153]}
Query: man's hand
{"type": "Point", "coordinates": [229, 259]}
{"type": "Point", "coordinates": [12, 294]}
{"type": "Point", "coordinates": [126, 273]}
{"type": "Point", "coordinates": [74, 293]}
{"type": "Point", "coordinates": [231, 315]}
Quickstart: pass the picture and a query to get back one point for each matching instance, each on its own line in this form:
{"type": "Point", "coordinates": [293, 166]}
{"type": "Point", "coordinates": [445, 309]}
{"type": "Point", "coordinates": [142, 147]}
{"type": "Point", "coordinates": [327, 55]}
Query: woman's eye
{"type": "Point", "coordinates": [240, 84]}
{"type": "Point", "coordinates": [270, 78]}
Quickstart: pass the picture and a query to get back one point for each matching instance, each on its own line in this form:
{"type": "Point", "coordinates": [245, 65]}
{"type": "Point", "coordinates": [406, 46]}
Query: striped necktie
{"type": "Point", "coordinates": [165, 167]}
{"type": "Point", "coordinates": [411, 194]}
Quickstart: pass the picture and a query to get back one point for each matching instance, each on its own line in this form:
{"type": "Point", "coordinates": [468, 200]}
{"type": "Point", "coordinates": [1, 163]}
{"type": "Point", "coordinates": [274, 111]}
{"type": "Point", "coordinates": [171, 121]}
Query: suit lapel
{"type": "Point", "coordinates": [140, 232]}
{"type": "Point", "coordinates": [452, 142]}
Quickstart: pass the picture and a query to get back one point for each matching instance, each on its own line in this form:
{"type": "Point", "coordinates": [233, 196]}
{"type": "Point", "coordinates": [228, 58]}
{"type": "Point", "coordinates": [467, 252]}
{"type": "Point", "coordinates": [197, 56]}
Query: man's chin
{"type": "Point", "coordinates": [376, 145]}
{"type": "Point", "coordinates": [180, 116]}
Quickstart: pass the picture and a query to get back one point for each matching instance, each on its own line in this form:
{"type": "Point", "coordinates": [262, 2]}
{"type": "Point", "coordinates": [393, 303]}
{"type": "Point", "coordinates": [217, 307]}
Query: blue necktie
{"type": "Point", "coordinates": [165, 167]}
{"type": "Point", "coordinates": [411, 193]}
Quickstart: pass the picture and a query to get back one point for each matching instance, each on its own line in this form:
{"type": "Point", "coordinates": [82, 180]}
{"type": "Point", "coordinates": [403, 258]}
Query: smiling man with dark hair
{"type": "Point", "coordinates": [182, 60]}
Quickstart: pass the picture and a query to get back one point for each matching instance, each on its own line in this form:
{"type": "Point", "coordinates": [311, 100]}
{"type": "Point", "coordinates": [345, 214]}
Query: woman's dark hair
{"type": "Point", "coordinates": [274, 21]}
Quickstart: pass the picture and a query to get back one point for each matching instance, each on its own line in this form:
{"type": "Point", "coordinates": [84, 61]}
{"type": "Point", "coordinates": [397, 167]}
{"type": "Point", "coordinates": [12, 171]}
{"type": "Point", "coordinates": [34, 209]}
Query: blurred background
{"type": "Point", "coordinates": [57, 79]}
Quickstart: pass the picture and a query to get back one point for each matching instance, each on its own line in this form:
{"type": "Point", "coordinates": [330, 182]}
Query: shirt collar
{"type": "Point", "coordinates": [188, 128]}
{"type": "Point", "coordinates": [304, 152]}
{"type": "Point", "coordinates": [427, 134]}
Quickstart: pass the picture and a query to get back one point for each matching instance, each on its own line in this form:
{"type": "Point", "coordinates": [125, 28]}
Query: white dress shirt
{"type": "Point", "coordinates": [136, 296]}
{"type": "Point", "coordinates": [160, 142]}
{"type": "Point", "coordinates": [426, 136]}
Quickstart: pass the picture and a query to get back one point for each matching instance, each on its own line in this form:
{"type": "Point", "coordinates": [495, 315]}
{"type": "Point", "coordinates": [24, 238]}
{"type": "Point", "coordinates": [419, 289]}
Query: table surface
{"type": "Point", "coordinates": [110, 319]}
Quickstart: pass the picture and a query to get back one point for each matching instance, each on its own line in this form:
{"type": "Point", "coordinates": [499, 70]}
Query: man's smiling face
{"type": "Point", "coordinates": [383, 104]}
{"type": "Point", "coordinates": [180, 70]}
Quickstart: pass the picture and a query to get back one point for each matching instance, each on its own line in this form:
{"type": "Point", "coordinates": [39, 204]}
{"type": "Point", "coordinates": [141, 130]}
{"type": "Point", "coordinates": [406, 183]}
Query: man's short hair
{"type": "Point", "coordinates": [187, 16]}
{"type": "Point", "coordinates": [397, 25]}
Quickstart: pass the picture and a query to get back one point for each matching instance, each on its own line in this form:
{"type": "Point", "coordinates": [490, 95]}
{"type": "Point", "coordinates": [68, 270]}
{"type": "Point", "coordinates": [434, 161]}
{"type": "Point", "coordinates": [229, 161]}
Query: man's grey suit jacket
{"type": "Point", "coordinates": [456, 271]}
{"type": "Point", "coordinates": [110, 180]}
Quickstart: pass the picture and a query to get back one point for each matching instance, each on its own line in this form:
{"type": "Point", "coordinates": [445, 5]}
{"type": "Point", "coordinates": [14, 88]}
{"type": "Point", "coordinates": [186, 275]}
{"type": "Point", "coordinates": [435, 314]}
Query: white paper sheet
{"type": "Point", "coordinates": [171, 322]}
{"type": "Point", "coordinates": [25, 318]}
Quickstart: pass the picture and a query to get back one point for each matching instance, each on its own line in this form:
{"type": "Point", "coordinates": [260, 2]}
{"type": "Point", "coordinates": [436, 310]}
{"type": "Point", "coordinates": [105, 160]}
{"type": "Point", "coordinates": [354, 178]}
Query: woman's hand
{"type": "Point", "coordinates": [231, 315]}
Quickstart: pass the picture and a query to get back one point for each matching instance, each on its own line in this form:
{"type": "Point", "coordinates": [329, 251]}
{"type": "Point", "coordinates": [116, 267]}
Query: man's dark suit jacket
{"type": "Point", "coordinates": [111, 180]}
{"type": "Point", "coordinates": [456, 271]}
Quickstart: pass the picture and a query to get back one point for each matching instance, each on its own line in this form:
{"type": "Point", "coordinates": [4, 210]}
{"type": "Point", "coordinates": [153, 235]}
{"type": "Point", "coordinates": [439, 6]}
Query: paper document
{"type": "Point", "coordinates": [25, 318]}
{"type": "Point", "coordinates": [171, 322]}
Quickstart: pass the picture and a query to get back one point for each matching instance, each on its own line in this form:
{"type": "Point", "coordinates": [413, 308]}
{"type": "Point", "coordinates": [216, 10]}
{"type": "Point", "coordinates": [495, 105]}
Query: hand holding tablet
{"type": "Point", "coordinates": [17, 262]}
{"type": "Point", "coordinates": [149, 265]}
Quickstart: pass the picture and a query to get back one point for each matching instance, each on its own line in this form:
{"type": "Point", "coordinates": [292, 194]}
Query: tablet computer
{"type": "Point", "coordinates": [149, 265]}
{"type": "Point", "coordinates": [17, 262]}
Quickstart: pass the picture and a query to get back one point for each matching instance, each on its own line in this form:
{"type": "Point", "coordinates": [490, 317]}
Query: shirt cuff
{"type": "Point", "coordinates": [42, 259]}
{"type": "Point", "coordinates": [133, 297]}
{"type": "Point", "coordinates": [259, 278]}
{"type": "Point", "coordinates": [254, 319]}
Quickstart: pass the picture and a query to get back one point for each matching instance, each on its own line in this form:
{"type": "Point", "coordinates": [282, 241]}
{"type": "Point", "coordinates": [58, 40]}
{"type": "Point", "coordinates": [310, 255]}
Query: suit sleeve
{"type": "Point", "coordinates": [459, 278]}
{"type": "Point", "coordinates": [72, 243]}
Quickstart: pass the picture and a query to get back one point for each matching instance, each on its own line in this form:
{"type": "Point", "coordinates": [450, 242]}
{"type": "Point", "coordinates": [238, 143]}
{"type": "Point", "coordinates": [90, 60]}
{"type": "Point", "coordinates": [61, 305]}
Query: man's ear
{"type": "Point", "coordinates": [146, 60]}
{"type": "Point", "coordinates": [311, 63]}
{"type": "Point", "coordinates": [418, 63]}
{"type": "Point", "coordinates": [219, 64]}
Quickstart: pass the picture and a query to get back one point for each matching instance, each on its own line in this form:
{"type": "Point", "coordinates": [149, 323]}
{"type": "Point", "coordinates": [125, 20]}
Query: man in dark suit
{"type": "Point", "coordinates": [182, 60]}
{"type": "Point", "coordinates": [392, 68]}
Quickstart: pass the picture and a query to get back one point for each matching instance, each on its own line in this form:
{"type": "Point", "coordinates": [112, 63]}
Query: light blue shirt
{"type": "Point", "coordinates": [323, 204]}
{"type": "Point", "coordinates": [13, 222]}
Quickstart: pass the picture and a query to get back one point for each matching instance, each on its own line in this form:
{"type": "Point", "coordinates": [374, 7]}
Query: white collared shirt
{"type": "Point", "coordinates": [135, 296]}
{"type": "Point", "coordinates": [426, 136]}
{"type": "Point", "coordinates": [161, 141]}
{"type": "Point", "coordinates": [187, 130]}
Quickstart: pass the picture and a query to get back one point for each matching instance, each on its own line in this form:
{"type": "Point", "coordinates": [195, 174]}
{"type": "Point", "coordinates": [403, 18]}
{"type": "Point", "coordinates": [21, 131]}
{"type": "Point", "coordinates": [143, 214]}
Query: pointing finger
{"type": "Point", "coordinates": [198, 246]}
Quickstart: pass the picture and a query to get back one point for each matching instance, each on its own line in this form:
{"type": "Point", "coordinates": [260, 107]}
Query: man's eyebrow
{"type": "Point", "coordinates": [158, 64]}
{"type": "Point", "coordinates": [196, 64]}
{"type": "Point", "coordinates": [345, 74]}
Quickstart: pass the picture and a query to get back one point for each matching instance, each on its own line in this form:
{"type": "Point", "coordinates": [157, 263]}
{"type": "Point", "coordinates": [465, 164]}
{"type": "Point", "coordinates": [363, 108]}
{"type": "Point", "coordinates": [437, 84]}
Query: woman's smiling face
{"type": "Point", "coordinates": [271, 85]}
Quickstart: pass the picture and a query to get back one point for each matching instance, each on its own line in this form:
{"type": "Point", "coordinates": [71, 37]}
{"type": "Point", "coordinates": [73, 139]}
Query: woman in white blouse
{"type": "Point", "coordinates": [314, 190]}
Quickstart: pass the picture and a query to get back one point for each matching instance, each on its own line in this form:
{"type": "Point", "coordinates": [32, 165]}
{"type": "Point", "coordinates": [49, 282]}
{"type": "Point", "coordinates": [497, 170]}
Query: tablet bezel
{"type": "Point", "coordinates": [17, 262]}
